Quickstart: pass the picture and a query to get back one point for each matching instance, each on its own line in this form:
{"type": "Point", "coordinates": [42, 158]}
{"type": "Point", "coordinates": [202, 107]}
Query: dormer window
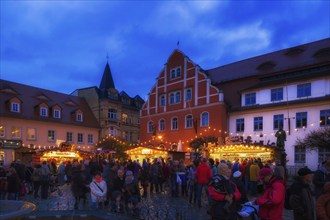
{"type": "Point", "coordinates": [15, 107]}
{"type": "Point", "coordinates": [43, 112]}
{"type": "Point", "coordinates": [268, 65]}
{"type": "Point", "coordinates": [79, 117]}
{"type": "Point", "coordinates": [57, 113]}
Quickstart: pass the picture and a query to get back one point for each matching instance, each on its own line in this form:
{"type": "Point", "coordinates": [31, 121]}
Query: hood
{"type": "Point", "coordinates": [275, 179]}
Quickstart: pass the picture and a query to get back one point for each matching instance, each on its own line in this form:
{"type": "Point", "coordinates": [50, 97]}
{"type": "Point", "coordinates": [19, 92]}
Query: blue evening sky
{"type": "Point", "coordinates": [63, 45]}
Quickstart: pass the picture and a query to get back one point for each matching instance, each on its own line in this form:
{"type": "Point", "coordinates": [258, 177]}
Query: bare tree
{"type": "Point", "coordinates": [319, 138]}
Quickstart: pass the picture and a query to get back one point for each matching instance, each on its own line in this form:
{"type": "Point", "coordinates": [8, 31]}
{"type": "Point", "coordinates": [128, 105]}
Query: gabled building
{"type": "Point", "coordinates": [181, 104]}
{"type": "Point", "coordinates": [37, 119]}
{"type": "Point", "coordinates": [247, 101]}
{"type": "Point", "coordinates": [289, 88]}
{"type": "Point", "coordinates": [116, 112]}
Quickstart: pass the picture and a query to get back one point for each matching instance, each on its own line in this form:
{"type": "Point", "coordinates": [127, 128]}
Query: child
{"type": "Point", "coordinates": [98, 190]}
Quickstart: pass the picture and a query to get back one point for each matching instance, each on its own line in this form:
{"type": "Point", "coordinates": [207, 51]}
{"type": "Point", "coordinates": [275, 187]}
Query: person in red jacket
{"type": "Point", "coordinates": [203, 175]}
{"type": "Point", "coordinates": [224, 194]}
{"type": "Point", "coordinates": [271, 202]}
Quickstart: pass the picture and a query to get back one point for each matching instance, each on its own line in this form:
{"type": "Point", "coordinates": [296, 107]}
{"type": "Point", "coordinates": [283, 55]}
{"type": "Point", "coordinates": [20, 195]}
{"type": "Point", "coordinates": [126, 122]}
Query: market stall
{"type": "Point", "coordinates": [140, 153]}
{"type": "Point", "coordinates": [232, 152]}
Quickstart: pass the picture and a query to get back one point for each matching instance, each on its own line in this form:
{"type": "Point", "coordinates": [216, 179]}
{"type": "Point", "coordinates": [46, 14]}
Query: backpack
{"type": "Point", "coordinates": [287, 199]}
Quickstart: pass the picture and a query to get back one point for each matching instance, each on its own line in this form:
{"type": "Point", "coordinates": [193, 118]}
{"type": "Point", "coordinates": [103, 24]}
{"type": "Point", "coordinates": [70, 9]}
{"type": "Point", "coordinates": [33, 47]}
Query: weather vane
{"type": "Point", "coordinates": [178, 44]}
{"type": "Point", "coordinates": [107, 57]}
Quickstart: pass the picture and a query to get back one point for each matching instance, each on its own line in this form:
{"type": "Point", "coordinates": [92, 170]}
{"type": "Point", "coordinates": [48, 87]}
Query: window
{"type": "Point", "coordinates": [57, 113]}
{"type": "Point", "coordinates": [178, 97]}
{"type": "Point", "coordinates": [240, 125]}
{"type": "Point", "coordinates": [250, 99]}
{"type": "Point", "coordinates": [276, 94]}
{"type": "Point", "coordinates": [325, 117]}
{"type": "Point", "coordinates": [162, 100]}
{"type": "Point", "coordinates": [2, 131]}
{"type": "Point", "coordinates": [79, 117]}
{"type": "Point", "coordinates": [324, 153]}
{"type": "Point", "coordinates": [301, 119]}
{"type": "Point", "coordinates": [69, 137]}
{"type": "Point", "coordinates": [15, 107]}
{"type": "Point", "coordinates": [124, 118]}
{"type": "Point", "coordinates": [150, 127]}
{"type": "Point", "coordinates": [188, 95]}
{"type": "Point", "coordinates": [90, 139]}
{"type": "Point", "coordinates": [161, 125]}
{"type": "Point", "coordinates": [173, 74]}
{"type": "Point", "coordinates": [174, 124]}
{"type": "Point", "coordinates": [113, 131]}
{"type": "Point", "coordinates": [126, 101]}
{"type": "Point", "coordinates": [112, 113]}
{"type": "Point", "coordinates": [125, 135]}
{"type": "Point", "coordinates": [189, 121]}
{"type": "Point", "coordinates": [43, 112]}
{"type": "Point", "coordinates": [80, 138]}
{"type": "Point", "coordinates": [278, 121]}
{"type": "Point", "coordinates": [178, 72]}
{"type": "Point", "coordinates": [131, 136]}
{"type": "Point", "coordinates": [51, 135]}
{"type": "Point", "coordinates": [299, 154]}
{"type": "Point", "coordinates": [16, 132]}
{"type": "Point", "coordinates": [258, 123]}
{"type": "Point", "coordinates": [205, 119]}
{"type": "Point", "coordinates": [303, 90]}
{"type": "Point", "coordinates": [31, 133]}
{"type": "Point", "coordinates": [172, 98]}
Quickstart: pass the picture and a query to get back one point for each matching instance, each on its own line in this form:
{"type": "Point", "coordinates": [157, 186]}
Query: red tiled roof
{"type": "Point", "coordinates": [29, 97]}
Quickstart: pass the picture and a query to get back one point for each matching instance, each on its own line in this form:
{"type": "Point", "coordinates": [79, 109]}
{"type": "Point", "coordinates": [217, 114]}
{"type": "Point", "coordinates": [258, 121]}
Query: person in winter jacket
{"type": "Point", "coordinates": [237, 179]}
{"type": "Point", "coordinates": [271, 202]}
{"type": "Point", "coordinates": [98, 190]}
{"type": "Point", "coordinates": [132, 194]}
{"type": "Point", "coordinates": [203, 175]}
{"type": "Point", "coordinates": [224, 194]}
{"type": "Point", "coordinates": [301, 197]}
{"type": "Point", "coordinates": [323, 204]}
{"type": "Point", "coordinates": [14, 184]}
{"type": "Point", "coordinates": [78, 186]}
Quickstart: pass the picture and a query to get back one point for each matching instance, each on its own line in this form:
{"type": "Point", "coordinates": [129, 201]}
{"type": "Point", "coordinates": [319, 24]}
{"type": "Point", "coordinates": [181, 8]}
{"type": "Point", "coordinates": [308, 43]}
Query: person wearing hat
{"type": "Point", "coordinates": [237, 179]}
{"type": "Point", "coordinates": [271, 202]}
{"type": "Point", "coordinates": [132, 194]}
{"type": "Point", "coordinates": [301, 197]}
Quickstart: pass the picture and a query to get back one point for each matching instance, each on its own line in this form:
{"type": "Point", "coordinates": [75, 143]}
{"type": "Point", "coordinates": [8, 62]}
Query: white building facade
{"type": "Point", "coordinates": [289, 88]}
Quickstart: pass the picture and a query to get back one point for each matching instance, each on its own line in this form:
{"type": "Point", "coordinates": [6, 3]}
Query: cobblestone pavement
{"type": "Point", "coordinates": [156, 206]}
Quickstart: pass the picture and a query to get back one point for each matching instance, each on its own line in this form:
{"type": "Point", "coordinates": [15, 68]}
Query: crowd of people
{"type": "Point", "coordinates": [260, 188]}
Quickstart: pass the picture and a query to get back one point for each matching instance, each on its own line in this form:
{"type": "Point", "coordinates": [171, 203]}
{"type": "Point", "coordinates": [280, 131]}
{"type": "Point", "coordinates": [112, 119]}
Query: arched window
{"type": "Point", "coordinates": [150, 127]}
{"type": "Point", "coordinates": [178, 97]}
{"type": "Point", "coordinates": [174, 147]}
{"type": "Point", "coordinates": [161, 125]}
{"type": "Point", "coordinates": [205, 119]}
{"type": "Point", "coordinates": [174, 124]}
{"type": "Point", "coordinates": [172, 73]}
{"type": "Point", "coordinates": [162, 100]}
{"type": "Point", "coordinates": [178, 72]}
{"type": "Point", "coordinates": [188, 95]}
{"type": "Point", "coordinates": [189, 121]}
{"type": "Point", "coordinates": [172, 98]}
